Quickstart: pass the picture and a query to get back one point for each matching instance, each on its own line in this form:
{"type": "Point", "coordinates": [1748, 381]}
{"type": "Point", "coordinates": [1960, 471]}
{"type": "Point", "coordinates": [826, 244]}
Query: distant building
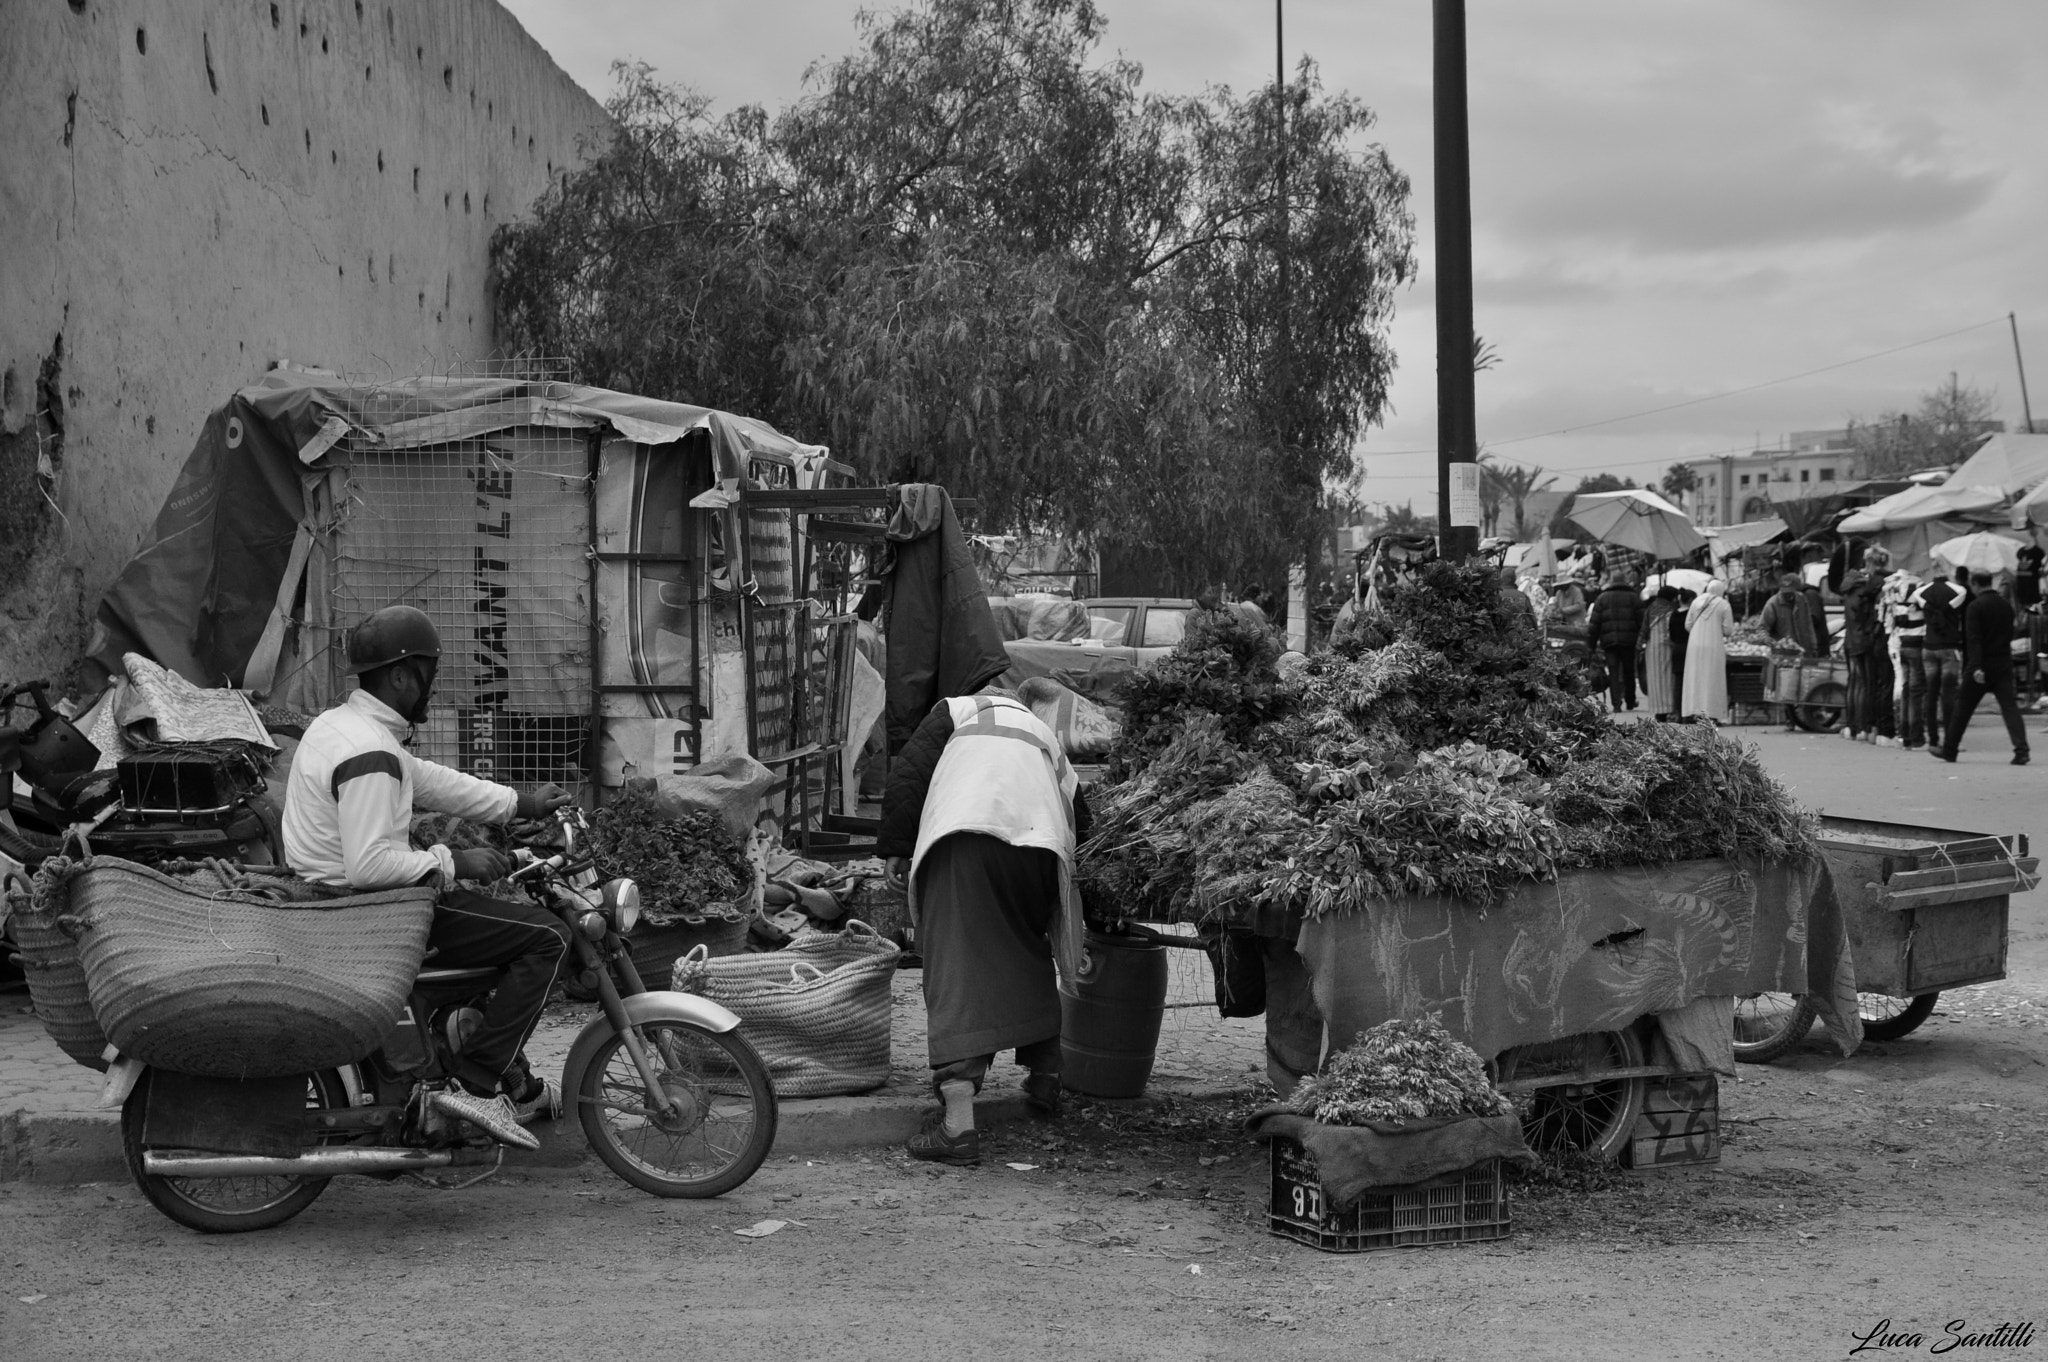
{"type": "Point", "coordinates": [1733, 488]}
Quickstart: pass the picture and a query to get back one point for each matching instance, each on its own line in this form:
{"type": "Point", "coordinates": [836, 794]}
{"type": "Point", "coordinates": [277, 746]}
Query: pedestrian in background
{"type": "Point", "coordinates": [1787, 615]}
{"type": "Point", "coordinates": [1906, 625]}
{"type": "Point", "coordinates": [1987, 669]}
{"type": "Point", "coordinates": [1706, 654]}
{"type": "Point", "coordinates": [1864, 644]}
{"type": "Point", "coordinates": [1660, 689]}
{"type": "Point", "coordinates": [1614, 626]}
{"type": "Point", "coordinates": [1941, 605]}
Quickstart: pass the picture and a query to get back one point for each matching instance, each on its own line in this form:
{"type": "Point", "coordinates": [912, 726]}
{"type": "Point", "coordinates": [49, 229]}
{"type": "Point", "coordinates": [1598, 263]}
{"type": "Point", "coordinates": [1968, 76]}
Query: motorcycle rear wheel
{"type": "Point", "coordinates": [723, 1125]}
{"type": "Point", "coordinates": [226, 1205]}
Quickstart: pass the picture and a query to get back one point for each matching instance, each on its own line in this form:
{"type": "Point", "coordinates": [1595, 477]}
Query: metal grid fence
{"type": "Point", "coordinates": [490, 538]}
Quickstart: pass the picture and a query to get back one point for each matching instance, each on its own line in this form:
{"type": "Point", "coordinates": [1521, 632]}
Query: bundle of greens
{"type": "Point", "coordinates": [1443, 750]}
{"type": "Point", "coordinates": [1400, 1071]}
{"type": "Point", "coordinates": [683, 864]}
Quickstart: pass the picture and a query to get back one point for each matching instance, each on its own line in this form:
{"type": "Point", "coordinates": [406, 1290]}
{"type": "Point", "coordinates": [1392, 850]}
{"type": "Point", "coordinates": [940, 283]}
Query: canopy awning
{"type": "Point", "coordinates": [1734, 538]}
{"type": "Point", "coordinates": [2011, 463]}
{"type": "Point", "coordinates": [1918, 505]}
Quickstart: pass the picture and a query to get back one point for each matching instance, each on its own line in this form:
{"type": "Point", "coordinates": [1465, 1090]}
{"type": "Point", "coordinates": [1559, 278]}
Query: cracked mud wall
{"type": "Point", "coordinates": [194, 190]}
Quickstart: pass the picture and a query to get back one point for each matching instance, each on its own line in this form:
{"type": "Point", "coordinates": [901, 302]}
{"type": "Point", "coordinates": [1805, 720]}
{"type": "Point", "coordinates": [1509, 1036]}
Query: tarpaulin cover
{"type": "Point", "coordinates": [1352, 1160]}
{"type": "Point", "coordinates": [1097, 673]}
{"type": "Point", "coordinates": [1589, 952]}
{"type": "Point", "coordinates": [201, 591]}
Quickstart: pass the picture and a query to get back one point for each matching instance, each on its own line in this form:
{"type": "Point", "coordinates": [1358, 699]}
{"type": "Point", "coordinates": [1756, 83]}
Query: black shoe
{"type": "Point", "coordinates": [1940, 755]}
{"type": "Point", "coordinates": [934, 1145]}
{"type": "Point", "coordinates": [1042, 1093]}
{"type": "Point", "coordinates": [2019, 758]}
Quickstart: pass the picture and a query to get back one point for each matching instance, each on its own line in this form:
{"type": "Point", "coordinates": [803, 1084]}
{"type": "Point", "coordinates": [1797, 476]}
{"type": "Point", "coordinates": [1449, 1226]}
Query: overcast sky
{"type": "Point", "coordinates": [1671, 199]}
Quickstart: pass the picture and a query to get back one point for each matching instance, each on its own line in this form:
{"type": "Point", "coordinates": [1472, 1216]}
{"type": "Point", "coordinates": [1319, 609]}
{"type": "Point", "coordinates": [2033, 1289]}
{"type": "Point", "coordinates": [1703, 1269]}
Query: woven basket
{"type": "Point", "coordinates": [816, 1010]}
{"type": "Point", "coordinates": [234, 983]}
{"type": "Point", "coordinates": [56, 980]}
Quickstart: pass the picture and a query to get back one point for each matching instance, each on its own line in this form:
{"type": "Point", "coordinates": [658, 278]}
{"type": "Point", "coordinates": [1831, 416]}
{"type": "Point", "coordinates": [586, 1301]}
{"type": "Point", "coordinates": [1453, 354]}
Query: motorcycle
{"type": "Point", "coordinates": [671, 1097]}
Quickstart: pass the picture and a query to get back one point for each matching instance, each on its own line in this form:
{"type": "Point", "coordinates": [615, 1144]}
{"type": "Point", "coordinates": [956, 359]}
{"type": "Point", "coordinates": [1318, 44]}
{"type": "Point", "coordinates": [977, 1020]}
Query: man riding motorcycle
{"type": "Point", "coordinates": [347, 820]}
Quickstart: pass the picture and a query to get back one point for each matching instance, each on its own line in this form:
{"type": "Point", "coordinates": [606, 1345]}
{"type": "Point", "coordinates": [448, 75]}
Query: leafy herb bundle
{"type": "Point", "coordinates": [1400, 1071]}
{"type": "Point", "coordinates": [1442, 752]}
{"type": "Point", "coordinates": [683, 865]}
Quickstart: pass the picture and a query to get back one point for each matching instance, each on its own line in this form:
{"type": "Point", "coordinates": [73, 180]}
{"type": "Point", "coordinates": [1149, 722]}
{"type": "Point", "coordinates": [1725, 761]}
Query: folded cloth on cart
{"type": "Point", "coordinates": [1352, 1160]}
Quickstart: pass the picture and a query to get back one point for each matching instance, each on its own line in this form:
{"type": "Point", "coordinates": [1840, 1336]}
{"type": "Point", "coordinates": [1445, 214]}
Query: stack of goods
{"type": "Point", "coordinates": [688, 864]}
{"type": "Point", "coordinates": [1399, 1071]}
{"type": "Point", "coordinates": [1441, 749]}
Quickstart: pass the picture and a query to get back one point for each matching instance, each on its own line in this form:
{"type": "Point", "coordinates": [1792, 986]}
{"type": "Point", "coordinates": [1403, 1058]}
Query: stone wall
{"type": "Point", "coordinates": [194, 190]}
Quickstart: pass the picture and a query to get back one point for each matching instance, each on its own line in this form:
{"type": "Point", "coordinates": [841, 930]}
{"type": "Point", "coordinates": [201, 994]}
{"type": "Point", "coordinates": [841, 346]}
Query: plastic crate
{"type": "Point", "coordinates": [1465, 1207]}
{"type": "Point", "coordinates": [1680, 1125]}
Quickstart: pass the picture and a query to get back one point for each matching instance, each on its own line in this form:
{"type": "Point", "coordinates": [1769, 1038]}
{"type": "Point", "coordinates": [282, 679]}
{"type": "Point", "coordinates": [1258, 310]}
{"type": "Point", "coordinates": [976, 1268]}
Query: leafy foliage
{"type": "Point", "coordinates": [682, 864]}
{"type": "Point", "coordinates": [1439, 752]}
{"type": "Point", "coordinates": [1400, 1070]}
{"type": "Point", "coordinates": [968, 255]}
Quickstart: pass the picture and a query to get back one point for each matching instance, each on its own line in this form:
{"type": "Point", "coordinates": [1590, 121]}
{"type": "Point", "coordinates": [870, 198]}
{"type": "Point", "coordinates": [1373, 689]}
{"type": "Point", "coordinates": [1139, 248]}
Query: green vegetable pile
{"type": "Point", "coordinates": [1442, 750]}
{"type": "Point", "coordinates": [684, 864]}
{"type": "Point", "coordinates": [1397, 1071]}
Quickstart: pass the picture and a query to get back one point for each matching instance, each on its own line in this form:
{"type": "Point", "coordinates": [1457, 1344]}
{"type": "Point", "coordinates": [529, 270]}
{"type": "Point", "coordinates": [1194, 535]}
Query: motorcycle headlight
{"type": "Point", "coordinates": [622, 901]}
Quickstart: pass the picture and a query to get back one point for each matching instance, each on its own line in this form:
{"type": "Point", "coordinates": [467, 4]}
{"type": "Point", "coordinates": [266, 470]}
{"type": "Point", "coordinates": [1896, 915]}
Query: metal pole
{"type": "Point", "coordinates": [2026, 407]}
{"type": "Point", "coordinates": [1457, 440]}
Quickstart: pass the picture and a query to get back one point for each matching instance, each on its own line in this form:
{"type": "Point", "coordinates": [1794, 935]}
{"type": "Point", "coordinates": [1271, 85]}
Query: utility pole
{"type": "Point", "coordinates": [1457, 438]}
{"type": "Point", "coordinates": [2026, 407]}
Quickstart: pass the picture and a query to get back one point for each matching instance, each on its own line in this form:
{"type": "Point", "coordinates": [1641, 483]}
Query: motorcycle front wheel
{"type": "Point", "coordinates": [225, 1205]}
{"type": "Point", "coordinates": [720, 1123]}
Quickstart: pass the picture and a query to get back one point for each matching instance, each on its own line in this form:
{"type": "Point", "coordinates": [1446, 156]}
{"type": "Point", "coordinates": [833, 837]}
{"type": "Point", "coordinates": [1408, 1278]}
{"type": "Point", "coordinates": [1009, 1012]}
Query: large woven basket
{"type": "Point", "coordinates": [239, 983]}
{"type": "Point", "coordinates": [56, 980]}
{"type": "Point", "coordinates": [817, 1010]}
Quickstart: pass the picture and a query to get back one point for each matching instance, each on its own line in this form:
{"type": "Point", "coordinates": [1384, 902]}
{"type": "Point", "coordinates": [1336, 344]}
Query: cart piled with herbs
{"type": "Point", "coordinates": [1446, 826]}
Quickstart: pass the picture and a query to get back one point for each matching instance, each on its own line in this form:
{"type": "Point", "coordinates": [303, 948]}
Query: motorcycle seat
{"type": "Point", "coordinates": [432, 977]}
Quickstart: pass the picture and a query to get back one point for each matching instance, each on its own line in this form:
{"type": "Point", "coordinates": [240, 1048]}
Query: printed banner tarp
{"type": "Point", "coordinates": [1591, 951]}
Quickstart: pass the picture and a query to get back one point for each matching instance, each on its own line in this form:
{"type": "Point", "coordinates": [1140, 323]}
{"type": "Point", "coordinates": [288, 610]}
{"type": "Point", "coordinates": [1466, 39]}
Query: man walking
{"type": "Point", "coordinates": [1941, 604]}
{"type": "Point", "coordinates": [1987, 667]}
{"type": "Point", "coordinates": [1613, 626]}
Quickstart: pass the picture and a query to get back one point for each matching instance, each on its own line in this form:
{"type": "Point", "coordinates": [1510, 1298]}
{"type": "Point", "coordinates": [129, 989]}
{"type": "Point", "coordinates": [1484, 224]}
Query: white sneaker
{"type": "Point", "coordinates": [496, 1116]}
{"type": "Point", "coordinates": [547, 1101]}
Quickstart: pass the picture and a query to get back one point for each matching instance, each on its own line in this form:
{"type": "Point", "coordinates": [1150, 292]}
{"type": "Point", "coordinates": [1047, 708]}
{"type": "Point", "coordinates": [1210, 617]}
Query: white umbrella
{"type": "Point", "coordinates": [1685, 579]}
{"type": "Point", "coordinates": [1637, 518]}
{"type": "Point", "coordinates": [1980, 552]}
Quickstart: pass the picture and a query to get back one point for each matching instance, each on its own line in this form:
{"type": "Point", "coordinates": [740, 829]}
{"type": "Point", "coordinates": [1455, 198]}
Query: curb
{"type": "Point", "coordinates": [69, 1148]}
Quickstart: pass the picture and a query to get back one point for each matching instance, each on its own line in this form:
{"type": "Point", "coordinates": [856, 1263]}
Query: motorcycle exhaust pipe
{"type": "Point", "coordinates": [317, 1163]}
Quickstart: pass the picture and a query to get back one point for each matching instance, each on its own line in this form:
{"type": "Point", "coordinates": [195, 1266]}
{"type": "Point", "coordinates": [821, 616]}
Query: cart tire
{"type": "Point", "coordinates": [1822, 708]}
{"type": "Point", "coordinates": [1768, 1025]}
{"type": "Point", "coordinates": [1597, 1118]}
{"type": "Point", "coordinates": [1888, 1018]}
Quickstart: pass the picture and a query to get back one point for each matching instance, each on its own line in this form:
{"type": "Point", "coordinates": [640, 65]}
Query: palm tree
{"type": "Point", "coordinates": [1512, 483]}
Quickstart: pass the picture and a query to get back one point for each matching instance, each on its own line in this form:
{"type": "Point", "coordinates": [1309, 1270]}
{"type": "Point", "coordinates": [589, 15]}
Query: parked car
{"type": "Point", "coordinates": [1126, 635]}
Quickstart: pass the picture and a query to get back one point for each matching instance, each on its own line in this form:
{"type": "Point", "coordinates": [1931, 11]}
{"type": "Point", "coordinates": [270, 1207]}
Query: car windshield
{"type": "Point", "coordinates": [1164, 626]}
{"type": "Point", "coordinates": [1109, 624]}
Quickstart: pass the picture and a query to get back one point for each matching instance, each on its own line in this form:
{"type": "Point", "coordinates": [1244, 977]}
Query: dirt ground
{"type": "Point", "coordinates": [1902, 1190]}
{"type": "Point", "coordinates": [1908, 1184]}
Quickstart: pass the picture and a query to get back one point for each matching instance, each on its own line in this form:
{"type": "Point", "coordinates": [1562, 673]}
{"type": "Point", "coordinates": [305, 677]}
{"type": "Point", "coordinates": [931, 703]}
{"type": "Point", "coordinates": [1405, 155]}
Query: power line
{"type": "Point", "coordinates": [1696, 401]}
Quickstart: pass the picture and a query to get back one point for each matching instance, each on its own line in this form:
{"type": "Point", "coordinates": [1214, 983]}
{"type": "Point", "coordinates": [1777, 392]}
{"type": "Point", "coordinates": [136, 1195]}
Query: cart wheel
{"type": "Point", "coordinates": [1769, 1024]}
{"type": "Point", "coordinates": [1821, 711]}
{"type": "Point", "coordinates": [1598, 1117]}
{"type": "Point", "coordinates": [1889, 1018]}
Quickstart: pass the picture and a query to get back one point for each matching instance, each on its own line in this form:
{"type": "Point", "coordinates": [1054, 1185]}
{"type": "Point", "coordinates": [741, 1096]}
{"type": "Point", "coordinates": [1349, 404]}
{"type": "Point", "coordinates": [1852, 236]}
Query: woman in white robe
{"type": "Point", "coordinates": [1706, 655]}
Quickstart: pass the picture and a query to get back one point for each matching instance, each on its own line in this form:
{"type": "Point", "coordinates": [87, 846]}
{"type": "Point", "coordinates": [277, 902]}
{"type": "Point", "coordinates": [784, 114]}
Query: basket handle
{"type": "Point", "coordinates": [797, 980]}
{"type": "Point", "coordinates": [696, 955]}
{"type": "Point", "coordinates": [73, 925]}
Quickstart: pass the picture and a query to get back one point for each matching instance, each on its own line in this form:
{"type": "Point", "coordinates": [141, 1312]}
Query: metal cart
{"type": "Point", "coordinates": [1813, 692]}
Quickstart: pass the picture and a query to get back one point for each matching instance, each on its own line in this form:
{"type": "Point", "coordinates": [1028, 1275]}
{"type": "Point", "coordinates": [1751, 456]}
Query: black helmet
{"type": "Point", "coordinates": [390, 635]}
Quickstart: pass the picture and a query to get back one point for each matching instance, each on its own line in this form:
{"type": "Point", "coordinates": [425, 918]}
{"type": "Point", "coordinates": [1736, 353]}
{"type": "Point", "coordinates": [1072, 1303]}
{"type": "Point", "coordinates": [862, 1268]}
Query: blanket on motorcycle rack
{"type": "Point", "coordinates": [817, 1010]}
{"type": "Point", "coordinates": [233, 971]}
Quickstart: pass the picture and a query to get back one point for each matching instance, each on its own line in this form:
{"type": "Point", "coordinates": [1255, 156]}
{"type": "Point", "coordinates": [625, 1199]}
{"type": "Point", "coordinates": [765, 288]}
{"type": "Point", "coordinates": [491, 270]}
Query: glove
{"type": "Point", "coordinates": [482, 864]}
{"type": "Point", "coordinates": [541, 802]}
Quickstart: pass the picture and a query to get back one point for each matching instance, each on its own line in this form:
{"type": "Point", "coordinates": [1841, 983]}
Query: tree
{"type": "Point", "coordinates": [1511, 483]}
{"type": "Point", "coordinates": [1403, 520]}
{"type": "Point", "coordinates": [1947, 425]}
{"type": "Point", "coordinates": [968, 256]}
{"type": "Point", "coordinates": [1562, 525]}
{"type": "Point", "coordinates": [1679, 479]}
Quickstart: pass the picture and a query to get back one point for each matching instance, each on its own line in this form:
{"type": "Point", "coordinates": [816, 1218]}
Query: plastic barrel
{"type": "Point", "coordinates": [1109, 1020]}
